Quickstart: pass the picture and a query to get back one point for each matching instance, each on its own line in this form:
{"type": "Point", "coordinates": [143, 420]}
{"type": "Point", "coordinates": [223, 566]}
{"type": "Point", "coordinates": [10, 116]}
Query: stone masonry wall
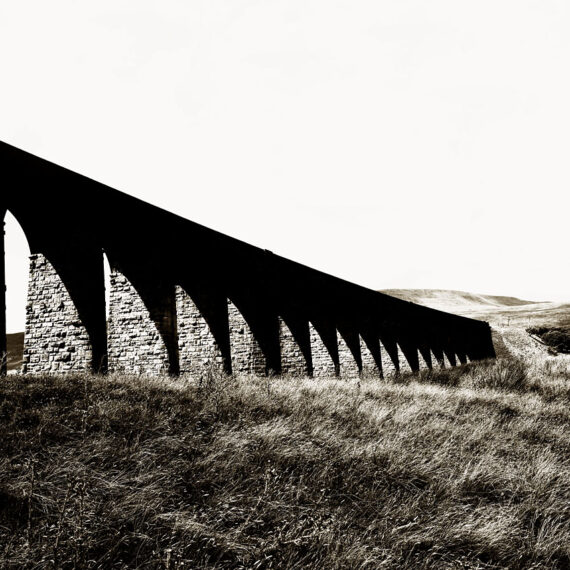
{"type": "Point", "coordinates": [405, 367]}
{"type": "Point", "coordinates": [347, 362]}
{"type": "Point", "coordinates": [388, 367]}
{"type": "Point", "coordinates": [449, 359]}
{"type": "Point", "coordinates": [55, 339]}
{"type": "Point", "coordinates": [323, 363]}
{"type": "Point", "coordinates": [247, 356]}
{"type": "Point", "coordinates": [292, 358]}
{"type": "Point", "coordinates": [198, 349]}
{"type": "Point", "coordinates": [424, 364]}
{"type": "Point", "coordinates": [369, 366]}
{"type": "Point", "coordinates": [436, 362]}
{"type": "Point", "coordinates": [134, 342]}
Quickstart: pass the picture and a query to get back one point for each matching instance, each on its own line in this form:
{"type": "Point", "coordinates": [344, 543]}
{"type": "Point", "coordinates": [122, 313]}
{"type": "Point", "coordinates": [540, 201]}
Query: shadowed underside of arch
{"type": "Point", "coordinates": [171, 279]}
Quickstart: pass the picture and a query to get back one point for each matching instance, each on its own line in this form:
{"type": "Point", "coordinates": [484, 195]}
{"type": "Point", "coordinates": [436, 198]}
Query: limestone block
{"type": "Point", "coordinates": [369, 365]}
{"type": "Point", "coordinates": [436, 362]}
{"type": "Point", "coordinates": [247, 356]}
{"type": "Point", "coordinates": [446, 362]}
{"type": "Point", "coordinates": [423, 363]}
{"type": "Point", "coordinates": [135, 344]}
{"type": "Point", "coordinates": [388, 366]}
{"type": "Point", "coordinates": [293, 360]}
{"type": "Point", "coordinates": [348, 367]}
{"type": "Point", "coordinates": [460, 358]}
{"type": "Point", "coordinates": [198, 350]}
{"type": "Point", "coordinates": [55, 340]}
{"type": "Point", "coordinates": [405, 367]}
{"type": "Point", "coordinates": [323, 363]}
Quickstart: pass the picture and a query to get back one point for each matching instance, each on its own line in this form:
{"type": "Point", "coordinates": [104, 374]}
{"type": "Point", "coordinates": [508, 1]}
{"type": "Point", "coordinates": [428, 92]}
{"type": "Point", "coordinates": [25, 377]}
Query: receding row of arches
{"type": "Point", "coordinates": [297, 318]}
{"type": "Point", "coordinates": [159, 328]}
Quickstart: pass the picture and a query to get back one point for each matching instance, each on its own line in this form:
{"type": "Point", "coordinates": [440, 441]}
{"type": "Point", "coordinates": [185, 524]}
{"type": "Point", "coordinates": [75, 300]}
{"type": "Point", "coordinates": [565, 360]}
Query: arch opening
{"type": "Point", "coordinates": [15, 272]}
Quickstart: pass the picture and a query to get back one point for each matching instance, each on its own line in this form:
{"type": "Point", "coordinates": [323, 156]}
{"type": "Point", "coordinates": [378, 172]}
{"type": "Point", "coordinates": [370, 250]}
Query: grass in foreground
{"type": "Point", "coordinates": [459, 469]}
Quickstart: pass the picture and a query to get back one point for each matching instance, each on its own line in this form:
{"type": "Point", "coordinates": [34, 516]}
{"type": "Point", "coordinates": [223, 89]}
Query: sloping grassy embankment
{"type": "Point", "coordinates": [463, 468]}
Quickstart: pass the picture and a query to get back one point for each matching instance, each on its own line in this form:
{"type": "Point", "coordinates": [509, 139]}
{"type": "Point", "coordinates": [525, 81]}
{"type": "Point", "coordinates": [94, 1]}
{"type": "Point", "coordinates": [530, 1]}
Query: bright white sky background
{"type": "Point", "coordinates": [397, 144]}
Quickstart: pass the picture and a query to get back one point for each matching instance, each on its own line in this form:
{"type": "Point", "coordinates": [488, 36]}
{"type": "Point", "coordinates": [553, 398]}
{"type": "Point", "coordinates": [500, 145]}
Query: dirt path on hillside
{"type": "Point", "coordinates": [519, 343]}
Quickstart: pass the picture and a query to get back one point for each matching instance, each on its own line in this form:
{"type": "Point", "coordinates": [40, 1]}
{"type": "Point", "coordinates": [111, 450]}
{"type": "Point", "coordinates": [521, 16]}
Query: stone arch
{"type": "Point", "coordinates": [14, 273]}
{"type": "Point", "coordinates": [55, 339]}
{"type": "Point", "coordinates": [65, 312]}
{"type": "Point", "coordinates": [142, 323]}
{"type": "Point", "coordinates": [404, 366]}
{"type": "Point", "coordinates": [324, 351]}
{"type": "Point", "coordinates": [448, 350]}
{"type": "Point", "coordinates": [446, 362]}
{"type": "Point", "coordinates": [389, 359]}
{"type": "Point", "coordinates": [198, 348]}
{"type": "Point", "coordinates": [246, 352]}
{"type": "Point", "coordinates": [436, 359]}
{"type": "Point", "coordinates": [460, 357]}
{"type": "Point", "coordinates": [371, 358]}
{"type": "Point", "coordinates": [295, 347]}
{"type": "Point", "coordinates": [424, 359]}
{"type": "Point", "coordinates": [349, 355]}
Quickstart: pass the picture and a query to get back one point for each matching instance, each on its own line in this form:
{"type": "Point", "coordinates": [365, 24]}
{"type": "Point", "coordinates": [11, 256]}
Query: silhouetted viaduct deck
{"type": "Point", "coordinates": [184, 297]}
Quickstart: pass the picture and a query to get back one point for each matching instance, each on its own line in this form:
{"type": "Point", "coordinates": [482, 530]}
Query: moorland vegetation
{"type": "Point", "coordinates": [457, 468]}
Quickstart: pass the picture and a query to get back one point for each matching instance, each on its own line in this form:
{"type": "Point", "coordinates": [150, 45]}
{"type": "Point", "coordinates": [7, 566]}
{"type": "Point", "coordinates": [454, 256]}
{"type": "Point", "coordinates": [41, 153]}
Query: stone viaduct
{"type": "Point", "coordinates": [185, 298]}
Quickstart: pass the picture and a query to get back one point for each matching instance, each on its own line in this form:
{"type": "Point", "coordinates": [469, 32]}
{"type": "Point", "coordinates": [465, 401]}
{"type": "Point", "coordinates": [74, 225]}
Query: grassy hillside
{"type": "Point", "coordinates": [447, 299]}
{"type": "Point", "coordinates": [509, 317]}
{"type": "Point", "coordinates": [15, 349]}
{"type": "Point", "coordinates": [465, 468]}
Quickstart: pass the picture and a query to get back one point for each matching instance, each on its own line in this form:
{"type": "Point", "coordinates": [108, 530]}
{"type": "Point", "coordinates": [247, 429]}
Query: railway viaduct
{"type": "Point", "coordinates": [185, 298]}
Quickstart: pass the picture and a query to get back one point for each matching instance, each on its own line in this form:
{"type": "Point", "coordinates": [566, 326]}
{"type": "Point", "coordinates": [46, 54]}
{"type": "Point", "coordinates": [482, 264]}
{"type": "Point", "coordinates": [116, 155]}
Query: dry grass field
{"type": "Point", "coordinates": [459, 468]}
{"type": "Point", "coordinates": [466, 468]}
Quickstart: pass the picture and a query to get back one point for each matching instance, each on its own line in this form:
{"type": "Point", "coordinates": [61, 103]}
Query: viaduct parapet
{"type": "Point", "coordinates": [184, 298]}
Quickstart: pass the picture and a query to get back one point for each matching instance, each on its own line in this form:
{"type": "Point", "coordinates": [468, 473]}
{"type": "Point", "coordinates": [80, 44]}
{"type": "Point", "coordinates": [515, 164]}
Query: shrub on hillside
{"type": "Point", "coordinates": [507, 374]}
{"type": "Point", "coordinates": [557, 338]}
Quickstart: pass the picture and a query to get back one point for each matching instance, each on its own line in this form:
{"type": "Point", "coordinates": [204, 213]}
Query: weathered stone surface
{"type": "Point", "coordinates": [293, 360]}
{"type": "Point", "coordinates": [446, 362]}
{"type": "Point", "coordinates": [460, 358]}
{"type": "Point", "coordinates": [436, 362]}
{"type": "Point", "coordinates": [55, 340]}
{"type": "Point", "coordinates": [423, 363]}
{"type": "Point", "coordinates": [134, 342]}
{"type": "Point", "coordinates": [369, 367]}
{"type": "Point", "coordinates": [348, 366]}
{"type": "Point", "coordinates": [388, 366]}
{"type": "Point", "coordinates": [247, 356]}
{"type": "Point", "coordinates": [199, 352]}
{"type": "Point", "coordinates": [405, 367]}
{"type": "Point", "coordinates": [323, 363]}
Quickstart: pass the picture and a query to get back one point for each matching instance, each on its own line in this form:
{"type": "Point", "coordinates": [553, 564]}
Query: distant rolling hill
{"type": "Point", "coordinates": [509, 317]}
{"type": "Point", "coordinates": [449, 300]}
{"type": "Point", "coordinates": [15, 346]}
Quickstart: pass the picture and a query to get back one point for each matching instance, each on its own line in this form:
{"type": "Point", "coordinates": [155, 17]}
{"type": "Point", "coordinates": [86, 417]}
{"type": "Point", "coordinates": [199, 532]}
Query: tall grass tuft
{"type": "Point", "coordinates": [505, 374]}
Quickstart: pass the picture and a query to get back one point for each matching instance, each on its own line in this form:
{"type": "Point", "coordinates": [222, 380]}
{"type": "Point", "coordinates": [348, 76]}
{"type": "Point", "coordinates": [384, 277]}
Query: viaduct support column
{"type": "Point", "coordinates": [142, 322]}
{"type": "Point", "coordinates": [65, 314]}
{"type": "Point", "coordinates": [324, 349]}
{"type": "Point", "coordinates": [295, 345]}
{"type": "Point", "coordinates": [3, 353]}
{"type": "Point", "coordinates": [202, 330]}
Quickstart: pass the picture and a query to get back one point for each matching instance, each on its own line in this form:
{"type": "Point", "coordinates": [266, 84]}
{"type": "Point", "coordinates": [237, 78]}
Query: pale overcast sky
{"type": "Point", "coordinates": [397, 144]}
